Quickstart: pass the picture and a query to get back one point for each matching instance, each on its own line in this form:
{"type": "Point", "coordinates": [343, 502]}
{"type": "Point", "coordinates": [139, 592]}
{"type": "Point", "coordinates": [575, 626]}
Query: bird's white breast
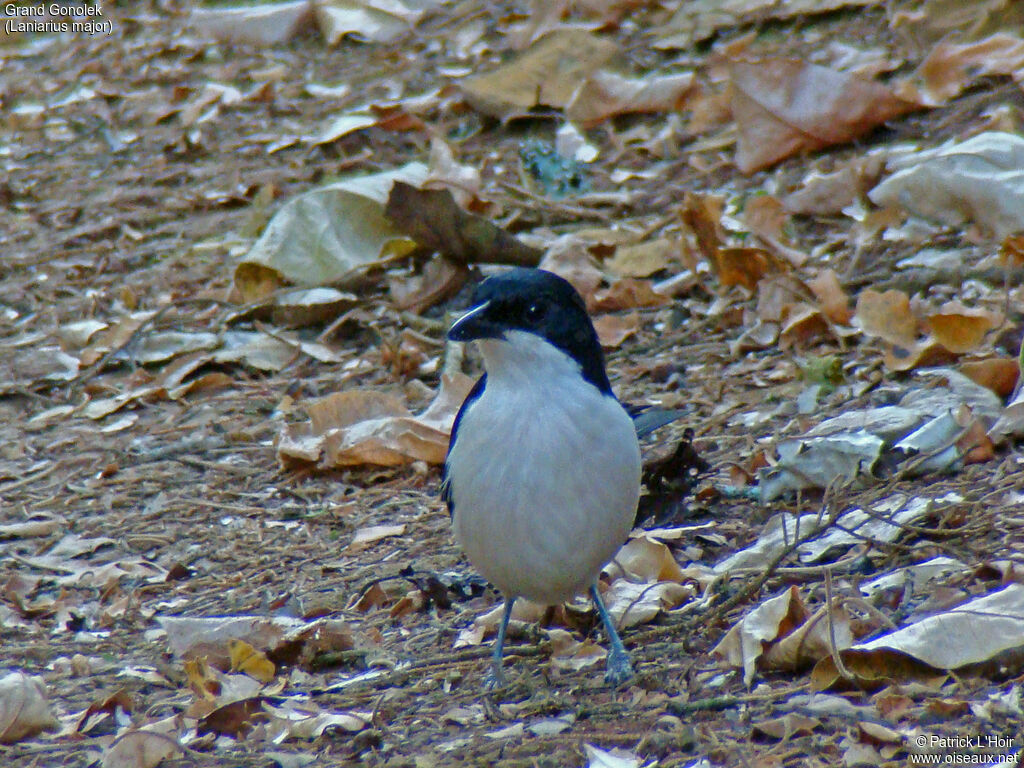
{"type": "Point", "coordinates": [544, 473]}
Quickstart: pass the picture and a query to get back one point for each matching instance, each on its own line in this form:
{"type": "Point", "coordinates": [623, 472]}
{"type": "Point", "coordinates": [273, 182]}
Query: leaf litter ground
{"type": "Point", "coordinates": [179, 506]}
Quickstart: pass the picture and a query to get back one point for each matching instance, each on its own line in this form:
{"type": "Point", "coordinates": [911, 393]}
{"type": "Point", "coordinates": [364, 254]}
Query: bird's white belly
{"type": "Point", "coordinates": [545, 483]}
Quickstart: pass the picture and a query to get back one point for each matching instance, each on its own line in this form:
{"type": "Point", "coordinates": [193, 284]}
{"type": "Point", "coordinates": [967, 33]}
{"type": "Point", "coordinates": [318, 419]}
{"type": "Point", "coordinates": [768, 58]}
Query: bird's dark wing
{"type": "Point", "coordinates": [647, 418]}
{"type": "Point", "coordinates": [474, 393]}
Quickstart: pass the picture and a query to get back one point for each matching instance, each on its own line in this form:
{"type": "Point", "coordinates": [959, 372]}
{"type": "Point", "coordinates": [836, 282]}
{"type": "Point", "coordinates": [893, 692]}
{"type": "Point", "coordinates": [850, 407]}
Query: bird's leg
{"type": "Point", "coordinates": [495, 678]}
{"type": "Point", "coordinates": [619, 668]}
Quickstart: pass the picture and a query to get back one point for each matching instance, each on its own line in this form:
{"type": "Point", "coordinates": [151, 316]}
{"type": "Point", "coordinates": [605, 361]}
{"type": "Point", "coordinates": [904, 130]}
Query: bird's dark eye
{"type": "Point", "coordinates": [534, 312]}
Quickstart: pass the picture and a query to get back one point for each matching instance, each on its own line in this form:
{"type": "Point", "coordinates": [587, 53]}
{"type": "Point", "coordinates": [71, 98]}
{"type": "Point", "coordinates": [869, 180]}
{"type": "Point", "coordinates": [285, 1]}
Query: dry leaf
{"type": "Point", "coordinates": [775, 618]}
{"type": "Point", "coordinates": [612, 330]}
{"type": "Point", "coordinates": [627, 293]}
{"type": "Point", "coordinates": [811, 641]}
{"type": "Point", "coordinates": [978, 182]}
{"type": "Point", "coordinates": [970, 634]}
{"type": "Point", "coordinates": [264, 24]}
{"type": "Point", "coordinates": [887, 316]}
{"type": "Point", "coordinates": [433, 219]}
{"type": "Point", "coordinates": [828, 194]}
{"type": "Point", "coordinates": [327, 235]}
{"type": "Point", "coordinates": [950, 68]}
{"type": "Point", "coordinates": [785, 106]}
{"type": "Point", "coordinates": [834, 302]}
{"type": "Point", "coordinates": [643, 259]}
{"type": "Point", "coordinates": [249, 661]}
{"type": "Point", "coordinates": [959, 329]}
{"type": "Point", "coordinates": [1000, 374]}
{"type": "Point", "coordinates": [378, 21]}
{"type": "Point", "coordinates": [605, 94]}
{"type": "Point", "coordinates": [548, 73]}
{"type": "Point", "coordinates": [372, 533]}
{"type": "Point", "coordinates": [144, 747]}
{"type": "Point", "coordinates": [24, 711]}
{"type": "Point", "coordinates": [649, 560]}
{"type": "Point", "coordinates": [369, 427]}
{"type": "Point", "coordinates": [785, 727]}
{"type": "Point", "coordinates": [440, 279]}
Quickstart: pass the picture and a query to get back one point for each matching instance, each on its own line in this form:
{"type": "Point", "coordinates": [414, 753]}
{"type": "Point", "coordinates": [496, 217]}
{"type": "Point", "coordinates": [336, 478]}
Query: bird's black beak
{"type": "Point", "coordinates": [475, 324]}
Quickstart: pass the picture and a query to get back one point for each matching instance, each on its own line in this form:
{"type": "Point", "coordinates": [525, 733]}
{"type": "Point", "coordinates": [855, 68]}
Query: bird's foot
{"type": "Point", "coordinates": [619, 669]}
{"type": "Point", "coordinates": [494, 679]}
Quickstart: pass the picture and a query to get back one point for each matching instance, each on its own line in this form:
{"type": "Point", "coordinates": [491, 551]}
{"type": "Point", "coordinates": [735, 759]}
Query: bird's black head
{"type": "Point", "coordinates": [541, 303]}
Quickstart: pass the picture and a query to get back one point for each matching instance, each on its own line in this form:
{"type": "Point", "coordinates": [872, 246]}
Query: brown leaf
{"type": "Point", "coordinates": [643, 259]}
{"type": "Point", "coordinates": [369, 427]}
{"type": "Point", "coordinates": [605, 94]}
{"type": "Point", "coordinates": [834, 302]}
{"type": "Point", "coordinates": [975, 446]}
{"type": "Point", "coordinates": [887, 316]}
{"type": "Point", "coordinates": [628, 293]}
{"type": "Point", "coordinates": [785, 106]}
{"type": "Point", "coordinates": [950, 68]}
{"type": "Point", "coordinates": [548, 73]}
{"type": "Point", "coordinates": [829, 193]}
{"type": "Point", "coordinates": [702, 214]}
{"type": "Point", "coordinates": [999, 374]}
{"type": "Point", "coordinates": [785, 727]}
{"type": "Point", "coordinates": [235, 719]}
{"type": "Point", "coordinates": [960, 330]}
{"type": "Point", "coordinates": [1012, 250]}
{"type": "Point", "coordinates": [434, 220]}
{"type": "Point", "coordinates": [873, 670]}
{"type": "Point", "coordinates": [612, 330]}
{"type": "Point", "coordinates": [920, 354]}
{"type": "Point", "coordinates": [802, 325]}
{"type": "Point", "coordinates": [745, 266]}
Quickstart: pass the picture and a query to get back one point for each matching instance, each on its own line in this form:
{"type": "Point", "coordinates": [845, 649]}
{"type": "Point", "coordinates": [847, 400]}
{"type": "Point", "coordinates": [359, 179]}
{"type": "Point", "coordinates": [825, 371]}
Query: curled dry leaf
{"type": "Point", "coordinates": [811, 641]}
{"type": "Point", "coordinates": [378, 21]}
{"type": "Point", "coordinates": [647, 559]}
{"type": "Point", "coordinates": [785, 727]}
{"type": "Point", "coordinates": [434, 220]}
{"type": "Point", "coordinates": [629, 603]}
{"type": "Point", "coordinates": [951, 67]}
{"type": "Point", "coordinates": [568, 653]}
{"type": "Point", "coordinates": [328, 235]}
{"type": "Point", "coordinates": [24, 711]}
{"type": "Point", "coordinates": [970, 635]}
{"type": "Point", "coordinates": [440, 279]}
{"type": "Point", "coordinates": [702, 214]}
{"type": "Point", "coordinates": [369, 427]}
{"type": "Point", "coordinates": [744, 644]}
{"type": "Point", "coordinates": [959, 329]}
{"type": "Point", "coordinates": [785, 106]}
